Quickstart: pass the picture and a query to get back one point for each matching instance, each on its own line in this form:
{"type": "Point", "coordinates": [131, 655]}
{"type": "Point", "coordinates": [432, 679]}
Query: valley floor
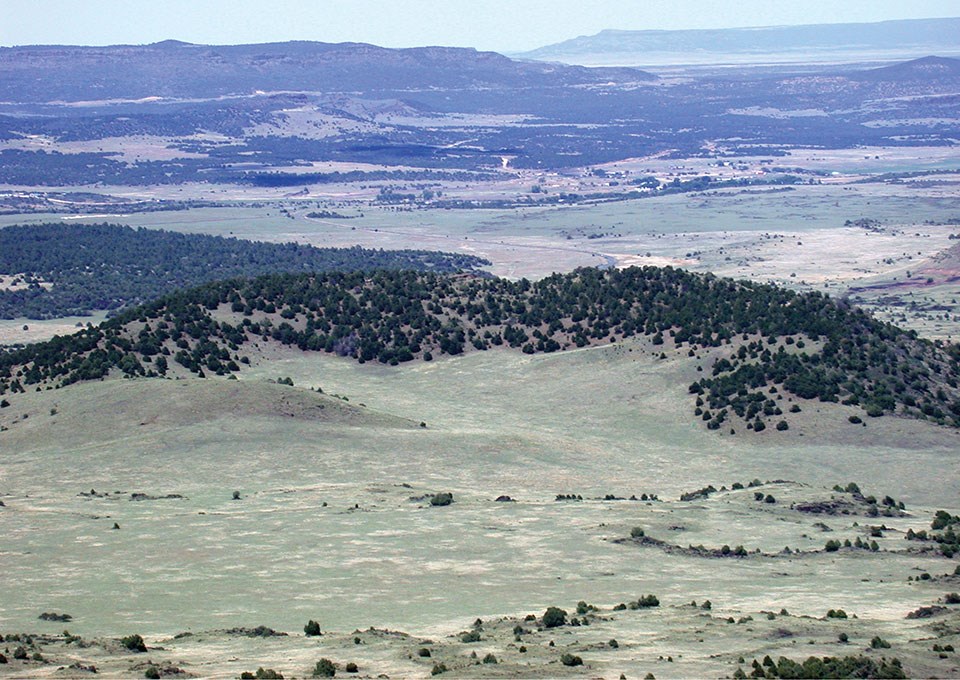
{"type": "Point", "coordinates": [334, 523]}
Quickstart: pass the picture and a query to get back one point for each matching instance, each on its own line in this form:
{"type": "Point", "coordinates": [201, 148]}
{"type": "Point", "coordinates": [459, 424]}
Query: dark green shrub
{"type": "Point", "coordinates": [758, 495]}
{"type": "Point", "coordinates": [613, 644]}
{"type": "Point", "coordinates": [783, 425]}
{"type": "Point", "coordinates": [134, 643]}
{"type": "Point", "coordinates": [832, 546]}
{"type": "Point", "coordinates": [441, 499]}
{"type": "Point", "coordinates": [838, 667]}
{"type": "Point", "coordinates": [836, 614]}
{"type": "Point", "coordinates": [879, 643]}
{"type": "Point", "coordinates": [490, 658]}
{"type": "Point", "coordinates": [769, 499]}
{"type": "Point", "coordinates": [952, 598]}
{"type": "Point", "coordinates": [553, 617]}
{"type": "Point", "coordinates": [470, 636]}
{"type": "Point", "coordinates": [20, 653]}
{"type": "Point", "coordinates": [325, 668]}
{"type": "Point", "coordinates": [423, 652]}
{"type": "Point", "coordinates": [571, 660]}
{"type": "Point", "coordinates": [648, 601]}
{"type": "Point", "coordinates": [268, 674]}
{"type": "Point", "coordinates": [351, 668]}
{"type": "Point", "coordinates": [152, 673]}
{"type": "Point", "coordinates": [312, 628]}
{"type": "Point", "coordinates": [584, 608]}
{"type": "Point", "coordinates": [636, 532]}
{"type": "Point", "coordinates": [438, 668]}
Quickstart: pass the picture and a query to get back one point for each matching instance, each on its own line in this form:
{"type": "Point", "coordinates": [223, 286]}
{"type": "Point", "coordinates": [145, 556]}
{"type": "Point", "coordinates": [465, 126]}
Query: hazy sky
{"type": "Point", "coordinates": [502, 25]}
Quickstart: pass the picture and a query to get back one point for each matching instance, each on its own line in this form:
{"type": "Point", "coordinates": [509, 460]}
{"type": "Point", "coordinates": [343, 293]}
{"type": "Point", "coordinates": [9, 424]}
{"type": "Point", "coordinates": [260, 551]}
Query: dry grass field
{"type": "Point", "coordinates": [334, 522]}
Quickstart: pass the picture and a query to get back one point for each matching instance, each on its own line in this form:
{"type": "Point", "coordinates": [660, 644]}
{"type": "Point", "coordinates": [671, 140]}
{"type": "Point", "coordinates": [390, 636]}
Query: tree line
{"type": "Point", "coordinates": [109, 266]}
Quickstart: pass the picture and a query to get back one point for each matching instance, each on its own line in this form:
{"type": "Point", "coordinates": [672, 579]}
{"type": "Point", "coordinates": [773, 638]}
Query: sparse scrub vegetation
{"type": "Point", "coordinates": [394, 317]}
{"type": "Point", "coordinates": [470, 636]}
{"type": "Point", "coordinates": [324, 668]}
{"type": "Point", "coordinates": [134, 643]}
{"type": "Point", "coordinates": [441, 499]}
{"type": "Point", "coordinates": [262, 674]}
{"type": "Point", "coordinates": [554, 617]}
{"type": "Point", "coordinates": [826, 667]}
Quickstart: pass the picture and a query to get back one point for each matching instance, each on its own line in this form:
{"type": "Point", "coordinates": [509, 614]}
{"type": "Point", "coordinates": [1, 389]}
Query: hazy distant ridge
{"type": "Point", "coordinates": [41, 73]}
{"type": "Point", "coordinates": [928, 34]}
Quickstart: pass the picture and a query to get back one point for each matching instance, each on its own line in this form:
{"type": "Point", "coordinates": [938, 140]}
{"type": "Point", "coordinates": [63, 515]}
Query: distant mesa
{"type": "Point", "coordinates": [924, 68]}
{"type": "Point", "coordinates": [43, 73]}
{"type": "Point", "coordinates": [169, 44]}
{"type": "Point", "coordinates": [902, 37]}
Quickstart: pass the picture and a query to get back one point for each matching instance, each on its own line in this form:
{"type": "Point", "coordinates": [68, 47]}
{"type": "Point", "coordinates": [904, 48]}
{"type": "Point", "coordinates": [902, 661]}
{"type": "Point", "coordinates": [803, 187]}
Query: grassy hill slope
{"type": "Point", "coordinates": [751, 343]}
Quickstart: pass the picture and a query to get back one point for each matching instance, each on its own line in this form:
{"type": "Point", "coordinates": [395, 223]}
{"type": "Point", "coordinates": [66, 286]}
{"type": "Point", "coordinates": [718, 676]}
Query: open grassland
{"type": "Point", "coordinates": [334, 521]}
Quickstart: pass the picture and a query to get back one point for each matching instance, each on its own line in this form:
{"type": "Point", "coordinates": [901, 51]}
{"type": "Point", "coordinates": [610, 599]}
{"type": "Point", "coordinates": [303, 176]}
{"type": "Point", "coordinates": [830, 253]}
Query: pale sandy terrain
{"type": "Point", "coordinates": [13, 282]}
{"type": "Point", "coordinates": [12, 331]}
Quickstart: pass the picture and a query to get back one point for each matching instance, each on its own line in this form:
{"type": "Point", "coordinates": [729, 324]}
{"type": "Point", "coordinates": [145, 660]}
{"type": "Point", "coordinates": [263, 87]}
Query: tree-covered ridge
{"type": "Point", "coordinates": [766, 337]}
{"type": "Point", "coordinates": [108, 266]}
